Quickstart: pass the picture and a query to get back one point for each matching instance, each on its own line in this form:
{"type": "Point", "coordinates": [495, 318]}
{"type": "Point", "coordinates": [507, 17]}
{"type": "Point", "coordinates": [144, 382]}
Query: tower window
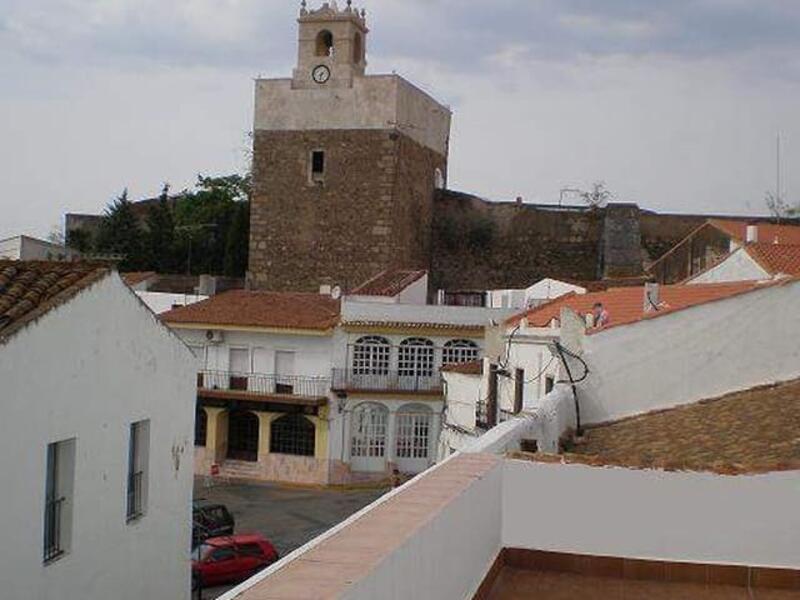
{"type": "Point", "coordinates": [325, 43]}
{"type": "Point", "coordinates": [317, 166]}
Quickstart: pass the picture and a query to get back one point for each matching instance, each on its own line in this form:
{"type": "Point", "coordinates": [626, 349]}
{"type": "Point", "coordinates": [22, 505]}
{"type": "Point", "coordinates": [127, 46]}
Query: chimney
{"type": "Point", "coordinates": [325, 289]}
{"type": "Point", "coordinates": [652, 297]}
{"type": "Point", "coordinates": [207, 285]}
{"type": "Point", "coordinates": [752, 234]}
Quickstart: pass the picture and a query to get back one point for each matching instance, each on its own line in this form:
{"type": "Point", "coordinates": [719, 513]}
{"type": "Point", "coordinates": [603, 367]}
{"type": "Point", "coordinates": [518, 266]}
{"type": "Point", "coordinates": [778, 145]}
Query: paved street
{"type": "Point", "coordinates": [288, 517]}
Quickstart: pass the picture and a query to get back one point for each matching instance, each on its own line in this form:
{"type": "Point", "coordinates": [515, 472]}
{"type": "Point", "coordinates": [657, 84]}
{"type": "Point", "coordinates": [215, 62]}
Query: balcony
{"type": "Point", "coordinates": [255, 385]}
{"type": "Point", "coordinates": [388, 381]}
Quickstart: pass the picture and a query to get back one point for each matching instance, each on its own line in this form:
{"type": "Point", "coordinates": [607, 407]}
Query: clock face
{"type": "Point", "coordinates": [321, 74]}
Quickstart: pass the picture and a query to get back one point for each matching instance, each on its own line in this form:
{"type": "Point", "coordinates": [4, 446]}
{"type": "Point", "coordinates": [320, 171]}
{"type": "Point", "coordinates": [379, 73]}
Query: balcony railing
{"type": "Point", "coordinates": [52, 529]}
{"type": "Point", "coordinates": [389, 381]}
{"type": "Point", "coordinates": [135, 507]}
{"type": "Point", "coordinates": [264, 384]}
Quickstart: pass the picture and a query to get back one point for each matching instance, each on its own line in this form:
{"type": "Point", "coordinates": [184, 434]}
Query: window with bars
{"type": "Point", "coordinates": [371, 356]}
{"type": "Point", "coordinates": [59, 475]}
{"type": "Point", "coordinates": [292, 434]}
{"type": "Point", "coordinates": [369, 431]}
{"type": "Point", "coordinates": [415, 358]}
{"type": "Point", "coordinates": [138, 448]}
{"type": "Point", "coordinates": [457, 352]}
{"type": "Point", "coordinates": [413, 433]}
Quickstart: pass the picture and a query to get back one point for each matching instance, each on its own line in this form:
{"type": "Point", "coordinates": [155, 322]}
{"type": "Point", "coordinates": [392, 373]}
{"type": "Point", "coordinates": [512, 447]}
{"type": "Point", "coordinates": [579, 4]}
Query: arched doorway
{"type": "Point", "coordinates": [243, 430]}
{"type": "Point", "coordinates": [368, 437]}
{"type": "Point", "coordinates": [414, 436]}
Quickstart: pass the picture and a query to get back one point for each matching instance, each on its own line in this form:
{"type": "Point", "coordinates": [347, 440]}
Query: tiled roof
{"type": "Point", "coordinates": [757, 430]}
{"type": "Point", "coordinates": [474, 367]}
{"type": "Point", "coordinates": [388, 283]}
{"type": "Point", "coordinates": [768, 233]}
{"type": "Point", "coordinates": [137, 277]}
{"type": "Point", "coordinates": [626, 305]}
{"type": "Point", "coordinates": [405, 325]}
{"type": "Point", "coordinates": [281, 310]}
{"type": "Point", "coordinates": [28, 290]}
{"type": "Point", "coordinates": [776, 258]}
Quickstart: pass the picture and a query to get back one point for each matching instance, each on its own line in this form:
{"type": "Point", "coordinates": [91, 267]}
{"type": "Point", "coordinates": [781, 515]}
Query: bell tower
{"type": "Point", "coordinates": [331, 48]}
{"type": "Point", "coordinates": [345, 163]}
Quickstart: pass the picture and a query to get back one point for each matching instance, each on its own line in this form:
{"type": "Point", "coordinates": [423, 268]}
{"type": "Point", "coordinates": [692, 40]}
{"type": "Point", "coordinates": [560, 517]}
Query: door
{"type": "Point", "coordinates": [413, 438]}
{"type": "Point", "coordinates": [243, 433]}
{"type": "Point", "coordinates": [239, 368]}
{"type": "Point", "coordinates": [368, 438]}
{"type": "Point", "coordinates": [261, 381]}
{"type": "Point", "coordinates": [284, 370]}
{"type": "Point", "coordinates": [221, 566]}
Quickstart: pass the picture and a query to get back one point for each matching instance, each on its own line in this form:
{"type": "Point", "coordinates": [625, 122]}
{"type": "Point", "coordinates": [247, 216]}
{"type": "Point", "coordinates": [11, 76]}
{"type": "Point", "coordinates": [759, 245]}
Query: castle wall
{"type": "Point", "coordinates": [491, 245]}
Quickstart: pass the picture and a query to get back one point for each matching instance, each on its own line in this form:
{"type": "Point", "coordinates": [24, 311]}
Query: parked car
{"type": "Point", "coordinates": [210, 520]}
{"type": "Point", "coordinates": [231, 559]}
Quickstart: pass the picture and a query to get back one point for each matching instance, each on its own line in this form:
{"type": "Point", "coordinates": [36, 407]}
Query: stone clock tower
{"type": "Point", "coordinates": [345, 164]}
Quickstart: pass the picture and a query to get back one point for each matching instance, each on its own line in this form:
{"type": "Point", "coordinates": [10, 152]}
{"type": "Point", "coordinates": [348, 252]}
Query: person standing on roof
{"type": "Point", "coordinates": [600, 316]}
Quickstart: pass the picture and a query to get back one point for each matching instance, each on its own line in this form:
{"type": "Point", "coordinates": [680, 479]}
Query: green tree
{"type": "Point", "coordinates": [237, 242]}
{"type": "Point", "coordinates": [160, 238]}
{"type": "Point", "coordinates": [120, 234]}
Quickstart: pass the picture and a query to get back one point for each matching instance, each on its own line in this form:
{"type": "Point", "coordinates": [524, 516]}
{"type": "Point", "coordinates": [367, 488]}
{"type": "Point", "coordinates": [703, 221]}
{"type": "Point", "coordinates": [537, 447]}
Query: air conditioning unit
{"type": "Point", "coordinates": [214, 336]}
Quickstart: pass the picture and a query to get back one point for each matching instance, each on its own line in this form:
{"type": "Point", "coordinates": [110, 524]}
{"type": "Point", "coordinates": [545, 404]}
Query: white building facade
{"type": "Point", "coordinates": [96, 432]}
{"type": "Point", "coordinates": [349, 398]}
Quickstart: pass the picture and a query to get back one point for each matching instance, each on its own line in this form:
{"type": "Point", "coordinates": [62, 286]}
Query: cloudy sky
{"type": "Point", "coordinates": [674, 104]}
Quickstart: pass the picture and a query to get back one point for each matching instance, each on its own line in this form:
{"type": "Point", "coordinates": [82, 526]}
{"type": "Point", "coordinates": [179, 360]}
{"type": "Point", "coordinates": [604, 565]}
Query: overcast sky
{"type": "Point", "coordinates": [674, 104]}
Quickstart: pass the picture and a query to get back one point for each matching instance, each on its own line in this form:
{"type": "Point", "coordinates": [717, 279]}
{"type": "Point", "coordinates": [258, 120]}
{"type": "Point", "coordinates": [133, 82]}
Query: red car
{"type": "Point", "coordinates": [231, 559]}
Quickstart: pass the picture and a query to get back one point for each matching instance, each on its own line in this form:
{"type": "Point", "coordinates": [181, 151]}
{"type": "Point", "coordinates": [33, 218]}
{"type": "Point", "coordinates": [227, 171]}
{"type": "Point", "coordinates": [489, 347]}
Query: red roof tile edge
{"type": "Point", "coordinates": [406, 278]}
{"type": "Point", "coordinates": [96, 274]}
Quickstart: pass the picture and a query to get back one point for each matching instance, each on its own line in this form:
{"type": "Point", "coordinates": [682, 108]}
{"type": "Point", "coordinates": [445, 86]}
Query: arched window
{"type": "Point", "coordinates": [200, 427]}
{"type": "Point", "coordinates": [459, 351]}
{"type": "Point", "coordinates": [358, 48]}
{"type": "Point", "coordinates": [369, 431]}
{"type": "Point", "coordinates": [414, 432]}
{"type": "Point", "coordinates": [292, 434]}
{"type": "Point", "coordinates": [324, 43]}
{"type": "Point", "coordinates": [371, 356]}
{"type": "Point", "coordinates": [415, 358]}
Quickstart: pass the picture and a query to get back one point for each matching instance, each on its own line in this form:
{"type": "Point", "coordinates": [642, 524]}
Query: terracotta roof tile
{"type": "Point", "coordinates": [626, 305]}
{"type": "Point", "coordinates": [768, 233]}
{"type": "Point", "coordinates": [389, 283]}
{"type": "Point", "coordinates": [243, 308]}
{"type": "Point", "coordinates": [745, 432]}
{"type": "Point", "coordinates": [28, 290]}
{"type": "Point", "coordinates": [776, 258]}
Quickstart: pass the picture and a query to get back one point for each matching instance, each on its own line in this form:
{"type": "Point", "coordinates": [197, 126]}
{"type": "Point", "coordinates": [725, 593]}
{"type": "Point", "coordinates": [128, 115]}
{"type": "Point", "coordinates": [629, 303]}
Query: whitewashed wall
{"type": "Point", "coordinates": [313, 353]}
{"type": "Point", "coordinates": [694, 354]}
{"type": "Point", "coordinates": [684, 517]}
{"type": "Point", "coordinates": [87, 370]}
{"type": "Point", "coordinates": [738, 266]}
{"type": "Point", "coordinates": [449, 556]}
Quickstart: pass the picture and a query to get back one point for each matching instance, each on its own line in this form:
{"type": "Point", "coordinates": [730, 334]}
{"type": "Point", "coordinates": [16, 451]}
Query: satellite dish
{"type": "Point", "coordinates": [336, 292]}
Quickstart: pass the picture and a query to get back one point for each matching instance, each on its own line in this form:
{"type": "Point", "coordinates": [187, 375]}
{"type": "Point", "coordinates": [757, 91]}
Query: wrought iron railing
{"type": "Point", "coordinates": [266, 384]}
{"type": "Point", "coordinates": [390, 381]}
{"type": "Point", "coordinates": [135, 507]}
{"type": "Point", "coordinates": [52, 529]}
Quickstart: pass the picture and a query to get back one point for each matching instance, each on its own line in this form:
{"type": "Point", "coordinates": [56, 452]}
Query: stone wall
{"type": "Point", "coordinates": [481, 245]}
{"type": "Point", "coordinates": [372, 212]}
